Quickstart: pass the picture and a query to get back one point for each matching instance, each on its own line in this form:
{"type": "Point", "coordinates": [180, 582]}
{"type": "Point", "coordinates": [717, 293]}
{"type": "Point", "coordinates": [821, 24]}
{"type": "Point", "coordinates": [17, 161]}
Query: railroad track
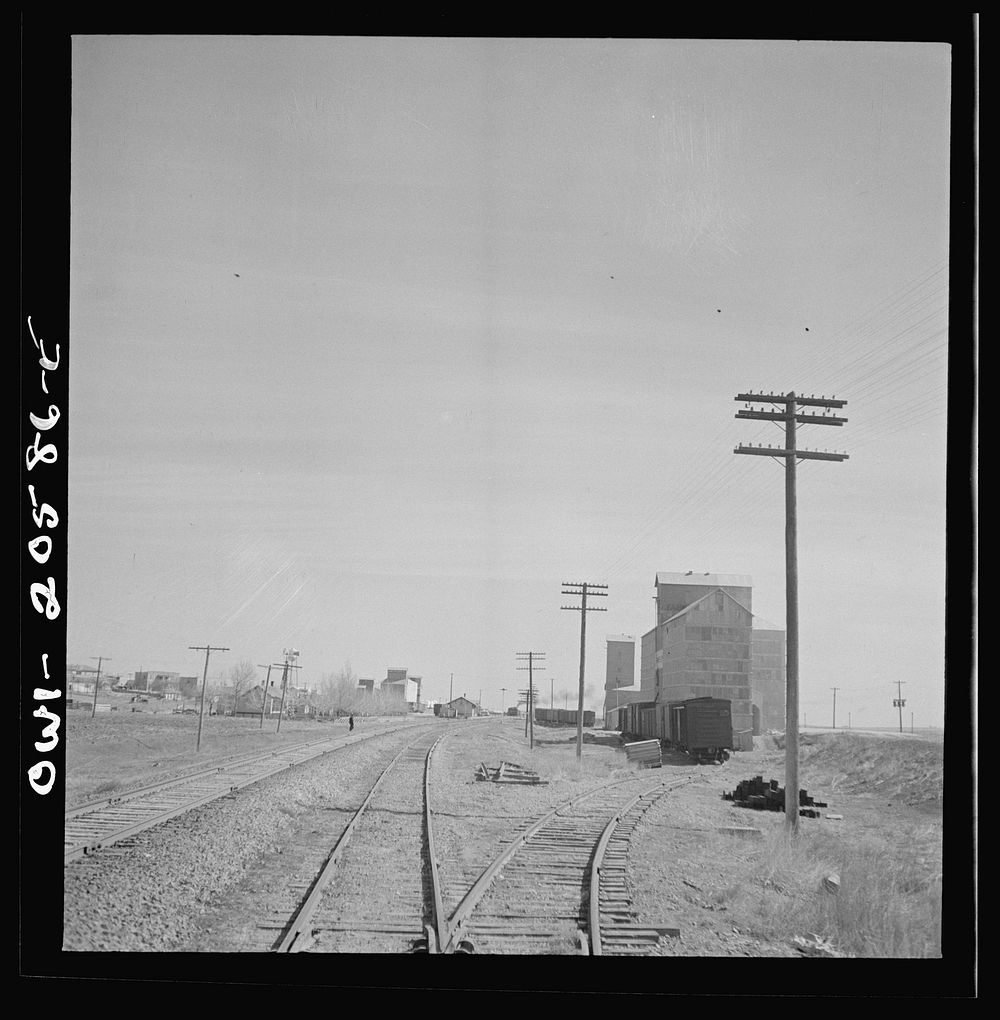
{"type": "Point", "coordinates": [563, 885]}
{"type": "Point", "coordinates": [90, 827]}
{"type": "Point", "coordinates": [346, 908]}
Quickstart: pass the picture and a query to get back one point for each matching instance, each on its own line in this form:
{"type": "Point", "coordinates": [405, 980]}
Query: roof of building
{"type": "Point", "coordinates": [621, 637]}
{"type": "Point", "coordinates": [455, 701]}
{"type": "Point", "coordinates": [715, 580]}
{"type": "Point", "coordinates": [759, 623]}
{"type": "Point", "coordinates": [702, 599]}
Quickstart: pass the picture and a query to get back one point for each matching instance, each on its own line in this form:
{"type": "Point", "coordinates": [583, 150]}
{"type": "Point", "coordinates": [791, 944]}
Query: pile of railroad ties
{"type": "Point", "coordinates": [755, 793]}
{"type": "Point", "coordinates": [508, 772]}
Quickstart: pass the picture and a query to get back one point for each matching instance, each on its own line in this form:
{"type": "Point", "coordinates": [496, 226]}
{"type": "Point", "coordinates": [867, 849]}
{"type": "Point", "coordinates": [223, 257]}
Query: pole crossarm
{"type": "Point", "coordinates": [774, 451]}
{"type": "Point", "coordinates": [786, 398]}
{"type": "Point", "coordinates": [804, 419]}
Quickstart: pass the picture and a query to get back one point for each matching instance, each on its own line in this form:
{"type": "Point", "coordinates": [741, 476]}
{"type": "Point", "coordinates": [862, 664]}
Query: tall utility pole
{"type": "Point", "coordinates": [583, 589]}
{"type": "Point", "coordinates": [207, 649]}
{"type": "Point", "coordinates": [503, 691]}
{"type": "Point", "coordinates": [834, 689]}
{"type": "Point", "coordinates": [267, 687]}
{"type": "Point", "coordinates": [97, 681]}
{"type": "Point", "coordinates": [451, 688]}
{"type": "Point", "coordinates": [899, 702]}
{"type": "Point", "coordinates": [289, 653]}
{"type": "Point", "coordinates": [552, 691]}
{"type": "Point", "coordinates": [534, 662]}
{"type": "Point", "coordinates": [791, 455]}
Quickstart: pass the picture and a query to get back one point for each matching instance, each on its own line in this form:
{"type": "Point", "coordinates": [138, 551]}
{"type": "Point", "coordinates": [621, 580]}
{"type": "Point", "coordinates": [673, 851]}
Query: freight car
{"type": "Point", "coordinates": [703, 727]}
{"type": "Point", "coordinates": [565, 716]}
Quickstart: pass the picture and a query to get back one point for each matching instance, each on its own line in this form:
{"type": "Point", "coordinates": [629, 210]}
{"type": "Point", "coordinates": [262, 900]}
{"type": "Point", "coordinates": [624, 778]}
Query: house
{"type": "Point", "coordinates": [249, 702]}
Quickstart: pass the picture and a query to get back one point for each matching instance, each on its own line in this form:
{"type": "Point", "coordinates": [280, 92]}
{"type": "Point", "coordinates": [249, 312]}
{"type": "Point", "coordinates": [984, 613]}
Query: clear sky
{"type": "Point", "coordinates": [376, 342]}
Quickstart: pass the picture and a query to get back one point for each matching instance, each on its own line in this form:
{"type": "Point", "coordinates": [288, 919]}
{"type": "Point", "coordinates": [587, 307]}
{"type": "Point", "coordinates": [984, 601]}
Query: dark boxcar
{"type": "Point", "coordinates": [703, 727]}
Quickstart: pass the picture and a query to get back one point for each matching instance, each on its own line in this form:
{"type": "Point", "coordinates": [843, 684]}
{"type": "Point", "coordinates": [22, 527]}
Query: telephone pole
{"type": "Point", "coordinates": [97, 681]}
{"type": "Point", "coordinates": [534, 662]}
{"type": "Point", "coordinates": [834, 689]}
{"type": "Point", "coordinates": [267, 687]}
{"type": "Point", "coordinates": [503, 691]}
{"type": "Point", "coordinates": [899, 702]}
{"type": "Point", "coordinates": [289, 653]}
{"type": "Point", "coordinates": [207, 649]}
{"type": "Point", "coordinates": [584, 589]}
{"type": "Point", "coordinates": [451, 688]}
{"type": "Point", "coordinates": [791, 455]}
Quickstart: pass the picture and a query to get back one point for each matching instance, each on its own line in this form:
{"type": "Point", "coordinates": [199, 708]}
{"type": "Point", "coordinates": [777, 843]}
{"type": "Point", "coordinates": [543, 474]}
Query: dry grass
{"type": "Point", "coordinates": [884, 907]}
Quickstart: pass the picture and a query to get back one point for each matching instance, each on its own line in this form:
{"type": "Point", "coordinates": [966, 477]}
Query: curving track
{"type": "Point", "coordinates": [536, 897]}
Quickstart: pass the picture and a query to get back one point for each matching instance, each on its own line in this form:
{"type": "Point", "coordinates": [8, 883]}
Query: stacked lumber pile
{"type": "Point", "coordinates": [508, 772]}
{"type": "Point", "coordinates": [760, 796]}
{"type": "Point", "coordinates": [645, 752]}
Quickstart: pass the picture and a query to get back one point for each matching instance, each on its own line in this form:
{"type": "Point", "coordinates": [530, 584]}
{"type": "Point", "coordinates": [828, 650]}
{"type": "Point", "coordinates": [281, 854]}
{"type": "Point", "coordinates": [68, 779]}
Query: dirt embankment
{"type": "Point", "coordinates": [901, 770]}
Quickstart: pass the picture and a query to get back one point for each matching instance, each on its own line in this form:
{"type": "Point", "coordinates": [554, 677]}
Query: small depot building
{"type": "Point", "coordinates": [460, 708]}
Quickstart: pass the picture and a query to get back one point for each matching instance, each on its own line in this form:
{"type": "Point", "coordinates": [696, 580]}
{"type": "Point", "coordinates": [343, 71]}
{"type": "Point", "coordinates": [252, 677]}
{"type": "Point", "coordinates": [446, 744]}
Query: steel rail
{"type": "Point", "coordinates": [292, 940]}
{"type": "Point", "coordinates": [157, 817]}
{"type": "Point", "coordinates": [595, 872]}
{"type": "Point", "coordinates": [471, 899]}
{"type": "Point", "coordinates": [209, 770]}
{"type": "Point", "coordinates": [595, 946]}
{"type": "Point", "coordinates": [439, 928]}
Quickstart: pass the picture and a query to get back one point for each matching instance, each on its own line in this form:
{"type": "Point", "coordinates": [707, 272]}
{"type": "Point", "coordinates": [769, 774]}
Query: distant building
{"type": "Point", "coordinates": [80, 679]}
{"type": "Point", "coordinates": [459, 708]}
{"type": "Point", "coordinates": [166, 684]}
{"type": "Point", "coordinates": [366, 685]}
{"type": "Point", "coordinates": [398, 685]}
{"type": "Point", "coordinates": [620, 673]}
{"type": "Point", "coordinates": [249, 702]}
{"type": "Point", "coordinates": [767, 675]}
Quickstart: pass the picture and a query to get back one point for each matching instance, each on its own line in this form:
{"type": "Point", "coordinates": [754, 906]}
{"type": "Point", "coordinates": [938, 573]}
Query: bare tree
{"type": "Point", "coordinates": [241, 678]}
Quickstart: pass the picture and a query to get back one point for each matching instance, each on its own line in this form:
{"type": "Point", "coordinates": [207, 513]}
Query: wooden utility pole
{"type": "Point", "coordinates": [207, 649]}
{"type": "Point", "coordinates": [791, 455]}
{"type": "Point", "coordinates": [583, 589]}
{"type": "Point", "coordinates": [289, 653]}
{"type": "Point", "coordinates": [534, 662]}
{"type": "Point", "coordinates": [899, 702]}
{"type": "Point", "coordinates": [503, 691]}
{"type": "Point", "coordinates": [835, 689]}
{"type": "Point", "coordinates": [97, 681]}
{"type": "Point", "coordinates": [267, 687]}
